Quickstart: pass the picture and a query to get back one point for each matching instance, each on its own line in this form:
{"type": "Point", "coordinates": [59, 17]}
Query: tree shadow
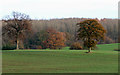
{"type": "Point", "coordinates": [116, 49]}
{"type": "Point", "coordinates": [88, 52]}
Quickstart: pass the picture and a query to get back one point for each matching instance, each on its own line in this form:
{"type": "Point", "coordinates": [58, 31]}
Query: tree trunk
{"type": "Point", "coordinates": [17, 44]}
{"type": "Point", "coordinates": [89, 50]}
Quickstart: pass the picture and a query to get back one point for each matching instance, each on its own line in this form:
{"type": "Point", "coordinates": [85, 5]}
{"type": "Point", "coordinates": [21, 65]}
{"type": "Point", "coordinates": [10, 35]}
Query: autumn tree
{"type": "Point", "coordinates": [16, 26]}
{"type": "Point", "coordinates": [56, 40]}
{"type": "Point", "coordinates": [90, 31]}
{"type": "Point", "coordinates": [68, 25]}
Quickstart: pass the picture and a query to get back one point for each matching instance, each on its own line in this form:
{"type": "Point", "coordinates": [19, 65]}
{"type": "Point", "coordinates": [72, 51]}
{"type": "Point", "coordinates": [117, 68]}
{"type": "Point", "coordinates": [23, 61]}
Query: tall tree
{"type": "Point", "coordinates": [90, 31]}
{"type": "Point", "coordinates": [16, 25]}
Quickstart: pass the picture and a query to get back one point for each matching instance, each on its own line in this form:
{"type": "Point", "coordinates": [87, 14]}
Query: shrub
{"type": "Point", "coordinates": [32, 46]}
{"type": "Point", "coordinates": [76, 46]}
{"type": "Point", "coordinates": [8, 47]}
{"type": "Point", "coordinates": [38, 47]}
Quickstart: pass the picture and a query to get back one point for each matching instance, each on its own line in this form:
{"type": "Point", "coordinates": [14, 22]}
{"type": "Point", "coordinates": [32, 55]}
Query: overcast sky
{"type": "Point", "coordinates": [47, 9]}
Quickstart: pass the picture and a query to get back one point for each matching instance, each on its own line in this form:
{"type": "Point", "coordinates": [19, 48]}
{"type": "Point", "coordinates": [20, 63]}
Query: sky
{"type": "Point", "coordinates": [49, 9]}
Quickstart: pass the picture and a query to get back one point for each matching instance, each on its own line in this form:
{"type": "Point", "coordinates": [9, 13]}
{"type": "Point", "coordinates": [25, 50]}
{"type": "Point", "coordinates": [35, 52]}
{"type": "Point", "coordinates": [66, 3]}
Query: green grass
{"type": "Point", "coordinates": [102, 60]}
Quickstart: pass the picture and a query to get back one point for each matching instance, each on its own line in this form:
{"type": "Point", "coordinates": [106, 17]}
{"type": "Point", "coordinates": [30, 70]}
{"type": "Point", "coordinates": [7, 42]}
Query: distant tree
{"type": "Point", "coordinates": [56, 40]}
{"type": "Point", "coordinates": [90, 31]}
{"type": "Point", "coordinates": [16, 26]}
{"type": "Point", "coordinates": [108, 40]}
{"type": "Point", "coordinates": [69, 39]}
{"type": "Point", "coordinates": [68, 25]}
{"type": "Point", "coordinates": [36, 40]}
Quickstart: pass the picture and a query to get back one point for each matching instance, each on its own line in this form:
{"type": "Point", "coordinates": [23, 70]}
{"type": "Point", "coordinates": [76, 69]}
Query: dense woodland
{"type": "Point", "coordinates": [69, 25]}
{"type": "Point", "coordinates": [42, 30]}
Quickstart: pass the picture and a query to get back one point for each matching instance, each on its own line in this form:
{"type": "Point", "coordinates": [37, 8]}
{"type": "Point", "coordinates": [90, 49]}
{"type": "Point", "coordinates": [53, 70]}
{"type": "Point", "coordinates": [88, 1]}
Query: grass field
{"type": "Point", "coordinates": [102, 60]}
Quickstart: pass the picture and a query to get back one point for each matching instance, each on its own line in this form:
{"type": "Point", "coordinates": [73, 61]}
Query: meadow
{"type": "Point", "coordinates": [104, 59]}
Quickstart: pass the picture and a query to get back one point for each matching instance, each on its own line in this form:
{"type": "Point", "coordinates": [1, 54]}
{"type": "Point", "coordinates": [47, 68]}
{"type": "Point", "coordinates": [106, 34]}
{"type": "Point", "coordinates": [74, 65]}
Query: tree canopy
{"type": "Point", "coordinates": [56, 40]}
{"type": "Point", "coordinates": [16, 25]}
{"type": "Point", "coordinates": [90, 31]}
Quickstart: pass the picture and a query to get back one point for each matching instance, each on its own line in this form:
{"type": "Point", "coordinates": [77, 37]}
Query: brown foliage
{"type": "Point", "coordinates": [55, 39]}
{"type": "Point", "coordinates": [68, 25]}
{"type": "Point", "coordinates": [90, 31]}
{"type": "Point", "coordinates": [76, 46]}
{"type": "Point", "coordinates": [16, 26]}
{"type": "Point", "coordinates": [39, 47]}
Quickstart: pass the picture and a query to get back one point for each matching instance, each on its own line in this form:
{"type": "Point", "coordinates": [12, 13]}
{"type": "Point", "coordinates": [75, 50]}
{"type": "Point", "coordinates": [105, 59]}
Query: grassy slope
{"type": "Point", "coordinates": [103, 60]}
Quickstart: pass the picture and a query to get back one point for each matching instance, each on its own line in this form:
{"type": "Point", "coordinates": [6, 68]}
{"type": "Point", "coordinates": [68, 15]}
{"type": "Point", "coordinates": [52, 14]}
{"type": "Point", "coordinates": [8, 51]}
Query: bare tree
{"type": "Point", "coordinates": [16, 25]}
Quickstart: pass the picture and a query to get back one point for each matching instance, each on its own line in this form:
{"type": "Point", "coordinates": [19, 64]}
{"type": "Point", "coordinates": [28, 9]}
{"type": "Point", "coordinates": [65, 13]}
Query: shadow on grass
{"type": "Point", "coordinates": [89, 52]}
{"type": "Point", "coordinates": [116, 49]}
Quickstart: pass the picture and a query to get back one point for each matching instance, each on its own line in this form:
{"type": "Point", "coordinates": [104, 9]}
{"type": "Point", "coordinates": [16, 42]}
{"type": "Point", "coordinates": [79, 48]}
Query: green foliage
{"type": "Point", "coordinates": [8, 47]}
{"type": "Point", "coordinates": [36, 40]}
{"type": "Point", "coordinates": [76, 46]}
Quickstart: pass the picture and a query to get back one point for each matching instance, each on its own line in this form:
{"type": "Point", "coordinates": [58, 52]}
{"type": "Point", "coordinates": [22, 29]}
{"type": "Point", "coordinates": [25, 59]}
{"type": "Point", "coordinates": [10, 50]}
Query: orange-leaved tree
{"type": "Point", "coordinates": [56, 40]}
{"type": "Point", "coordinates": [90, 31]}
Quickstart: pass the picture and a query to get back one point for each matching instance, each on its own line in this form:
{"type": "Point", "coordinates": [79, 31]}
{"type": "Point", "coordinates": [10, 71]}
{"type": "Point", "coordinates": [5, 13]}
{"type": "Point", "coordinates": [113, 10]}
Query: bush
{"type": "Point", "coordinates": [38, 47]}
{"type": "Point", "coordinates": [35, 47]}
{"type": "Point", "coordinates": [76, 46]}
{"type": "Point", "coordinates": [32, 46]}
{"type": "Point", "coordinates": [8, 47]}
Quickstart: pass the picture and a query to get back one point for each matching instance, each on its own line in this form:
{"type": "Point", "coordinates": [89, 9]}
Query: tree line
{"type": "Point", "coordinates": [53, 33]}
{"type": "Point", "coordinates": [69, 25]}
